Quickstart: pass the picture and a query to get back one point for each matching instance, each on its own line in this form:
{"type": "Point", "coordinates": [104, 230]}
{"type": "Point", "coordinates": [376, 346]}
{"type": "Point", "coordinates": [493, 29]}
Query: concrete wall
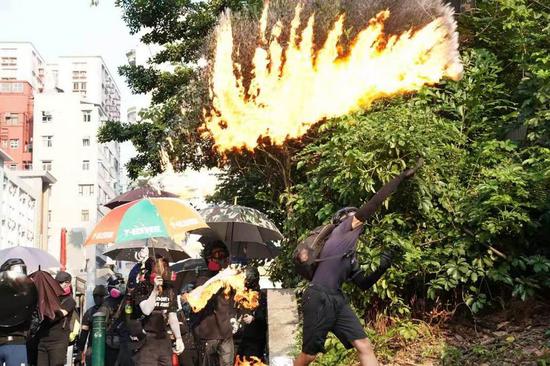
{"type": "Point", "coordinates": [283, 322]}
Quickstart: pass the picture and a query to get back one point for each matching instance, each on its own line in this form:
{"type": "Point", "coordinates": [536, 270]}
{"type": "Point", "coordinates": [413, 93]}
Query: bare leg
{"type": "Point", "coordinates": [365, 352]}
{"type": "Point", "coordinates": [304, 359]}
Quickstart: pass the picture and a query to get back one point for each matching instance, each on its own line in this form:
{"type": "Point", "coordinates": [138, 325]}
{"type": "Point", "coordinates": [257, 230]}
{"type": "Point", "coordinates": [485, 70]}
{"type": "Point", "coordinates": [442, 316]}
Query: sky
{"type": "Point", "coordinates": [73, 27]}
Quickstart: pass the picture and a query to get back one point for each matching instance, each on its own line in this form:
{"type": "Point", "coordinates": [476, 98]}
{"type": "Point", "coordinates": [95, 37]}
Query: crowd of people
{"type": "Point", "coordinates": [149, 322]}
{"type": "Point", "coordinates": [147, 319]}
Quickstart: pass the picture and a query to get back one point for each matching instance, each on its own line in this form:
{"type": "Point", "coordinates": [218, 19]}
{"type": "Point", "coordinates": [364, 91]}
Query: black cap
{"type": "Point", "coordinates": [63, 276]}
{"type": "Point", "coordinates": [100, 290]}
{"type": "Point", "coordinates": [10, 263]}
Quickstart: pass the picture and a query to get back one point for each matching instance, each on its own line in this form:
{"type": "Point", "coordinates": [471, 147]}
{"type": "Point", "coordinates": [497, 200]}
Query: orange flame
{"type": "Point", "coordinates": [229, 279]}
{"type": "Point", "coordinates": [286, 97]}
{"type": "Point", "coordinates": [252, 361]}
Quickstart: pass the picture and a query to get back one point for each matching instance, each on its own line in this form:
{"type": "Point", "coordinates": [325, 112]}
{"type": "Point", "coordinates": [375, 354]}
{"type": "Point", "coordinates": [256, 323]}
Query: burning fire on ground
{"type": "Point", "coordinates": [293, 88]}
{"type": "Point", "coordinates": [252, 361]}
{"type": "Point", "coordinates": [229, 279]}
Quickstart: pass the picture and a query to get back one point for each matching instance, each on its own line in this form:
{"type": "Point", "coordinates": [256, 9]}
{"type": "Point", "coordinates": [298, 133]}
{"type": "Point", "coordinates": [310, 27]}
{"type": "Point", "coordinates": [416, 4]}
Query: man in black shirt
{"type": "Point", "coordinates": [324, 306]}
{"type": "Point", "coordinates": [212, 325]}
{"type": "Point", "coordinates": [18, 299]}
{"type": "Point", "coordinates": [254, 331]}
{"type": "Point", "coordinates": [53, 336]}
{"type": "Point", "coordinates": [157, 302]}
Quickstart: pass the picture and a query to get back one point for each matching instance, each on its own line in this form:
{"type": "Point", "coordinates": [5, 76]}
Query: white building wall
{"type": "Point", "coordinates": [18, 210]}
{"type": "Point", "coordinates": [89, 77]}
{"type": "Point", "coordinates": [85, 170]}
{"type": "Point", "coordinates": [21, 61]}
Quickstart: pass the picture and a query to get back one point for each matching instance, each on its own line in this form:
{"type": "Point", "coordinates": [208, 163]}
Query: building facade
{"type": "Point", "coordinates": [16, 119]}
{"type": "Point", "coordinates": [88, 172]}
{"type": "Point", "coordinates": [89, 77]}
{"type": "Point", "coordinates": [21, 61]}
{"type": "Point", "coordinates": [23, 206]}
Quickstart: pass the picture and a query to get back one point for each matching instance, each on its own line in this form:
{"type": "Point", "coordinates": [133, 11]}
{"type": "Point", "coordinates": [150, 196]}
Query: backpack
{"type": "Point", "coordinates": [307, 252]}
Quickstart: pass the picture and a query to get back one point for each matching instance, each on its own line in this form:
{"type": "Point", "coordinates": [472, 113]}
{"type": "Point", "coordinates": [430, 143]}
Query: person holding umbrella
{"type": "Point", "coordinates": [53, 335]}
{"type": "Point", "coordinates": [19, 298]}
{"type": "Point", "coordinates": [157, 304]}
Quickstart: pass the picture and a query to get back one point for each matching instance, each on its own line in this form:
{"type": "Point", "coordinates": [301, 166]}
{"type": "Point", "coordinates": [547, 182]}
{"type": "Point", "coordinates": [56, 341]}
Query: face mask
{"type": "Point", "coordinates": [152, 278]}
{"type": "Point", "coordinates": [214, 266]}
{"type": "Point", "coordinates": [67, 290]}
{"type": "Point", "coordinates": [115, 293]}
{"type": "Point", "coordinates": [98, 300]}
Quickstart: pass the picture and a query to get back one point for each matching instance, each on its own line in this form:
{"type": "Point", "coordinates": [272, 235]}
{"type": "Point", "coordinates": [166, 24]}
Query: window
{"type": "Point", "coordinates": [79, 87]}
{"type": "Point", "coordinates": [9, 61]}
{"type": "Point", "coordinates": [85, 164]}
{"type": "Point", "coordinates": [47, 141]}
{"type": "Point", "coordinates": [4, 144]}
{"type": "Point", "coordinates": [14, 143]}
{"type": "Point", "coordinates": [87, 116]}
{"type": "Point", "coordinates": [27, 165]}
{"type": "Point", "coordinates": [85, 215]}
{"type": "Point", "coordinates": [49, 215]}
{"type": "Point", "coordinates": [13, 166]}
{"type": "Point", "coordinates": [47, 165]}
{"type": "Point", "coordinates": [85, 189]}
{"type": "Point", "coordinates": [79, 75]}
{"type": "Point", "coordinates": [86, 141]}
{"type": "Point", "coordinates": [12, 119]}
{"type": "Point", "coordinates": [46, 117]}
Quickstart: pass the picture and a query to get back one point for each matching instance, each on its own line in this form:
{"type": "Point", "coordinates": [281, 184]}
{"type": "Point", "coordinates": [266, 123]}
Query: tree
{"type": "Point", "coordinates": [474, 221]}
{"type": "Point", "coordinates": [170, 125]}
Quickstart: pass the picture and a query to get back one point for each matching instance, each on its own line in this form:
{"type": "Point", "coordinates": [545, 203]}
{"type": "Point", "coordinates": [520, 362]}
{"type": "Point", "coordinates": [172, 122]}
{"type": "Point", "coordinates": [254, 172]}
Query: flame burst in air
{"type": "Point", "coordinates": [293, 88]}
{"type": "Point", "coordinates": [228, 279]}
{"type": "Point", "coordinates": [252, 361]}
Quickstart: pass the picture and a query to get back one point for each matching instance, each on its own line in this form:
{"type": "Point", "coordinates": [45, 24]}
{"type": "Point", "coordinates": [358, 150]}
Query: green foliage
{"type": "Point", "coordinates": [473, 223]}
{"type": "Point", "coordinates": [478, 195]}
{"type": "Point", "coordinates": [172, 122]}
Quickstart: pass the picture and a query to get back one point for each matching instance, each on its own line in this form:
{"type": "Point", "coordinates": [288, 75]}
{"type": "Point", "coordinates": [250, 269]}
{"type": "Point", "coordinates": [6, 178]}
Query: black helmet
{"type": "Point", "coordinates": [14, 264]}
{"type": "Point", "coordinates": [342, 214]}
{"type": "Point", "coordinates": [115, 281]}
{"type": "Point", "coordinates": [100, 290]}
{"type": "Point", "coordinates": [252, 277]}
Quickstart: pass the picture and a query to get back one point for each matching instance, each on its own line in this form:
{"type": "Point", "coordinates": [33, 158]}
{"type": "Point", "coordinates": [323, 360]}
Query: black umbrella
{"type": "Point", "coordinates": [252, 250]}
{"type": "Point", "coordinates": [137, 194]}
{"type": "Point", "coordinates": [246, 231]}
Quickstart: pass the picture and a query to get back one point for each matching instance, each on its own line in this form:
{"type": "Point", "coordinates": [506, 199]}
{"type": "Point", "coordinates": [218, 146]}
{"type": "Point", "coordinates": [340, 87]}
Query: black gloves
{"type": "Point", "coordinates": [365, 282]}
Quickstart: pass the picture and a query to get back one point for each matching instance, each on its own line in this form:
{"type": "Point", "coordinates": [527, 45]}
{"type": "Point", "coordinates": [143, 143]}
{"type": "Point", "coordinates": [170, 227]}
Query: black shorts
{"type": "Point", "coordinates": [326, 310]}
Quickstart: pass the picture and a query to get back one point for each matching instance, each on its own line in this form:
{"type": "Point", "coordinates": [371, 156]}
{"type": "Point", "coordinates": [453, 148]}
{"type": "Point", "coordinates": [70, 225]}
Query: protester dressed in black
{"type": "Point", "coordinates": [325, 309]}
{"type": "Point", "coordinates": [158, 305]}
{"type": "Point", "coordinates": [254, 331]}
{"type": "Point", "coordinates": [113, 308]}
{"type": "Point", "coordinates": [190, 356]}
{"type": "Point", "coordinates": [84, 343]}
{"type": "Point", "coordinates": [18, 294]}
{"type": "Point", "coordinates": [53, 336]}
{"type": "Point", "coordinates": [212, 325]}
